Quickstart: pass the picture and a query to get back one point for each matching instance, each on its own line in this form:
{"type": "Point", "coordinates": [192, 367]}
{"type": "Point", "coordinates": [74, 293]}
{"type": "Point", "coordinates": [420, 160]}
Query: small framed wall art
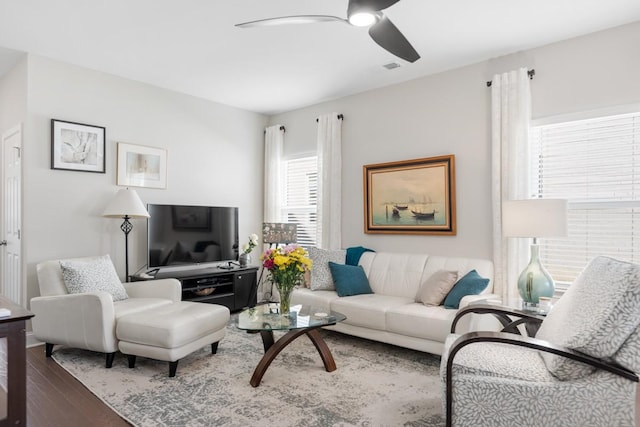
{"type": "Point", "coordinates": [77, 147]}
{"type": "Point", "coordinates": [411, 197]}
{"type": "Point", "coordinates": [141, 166]}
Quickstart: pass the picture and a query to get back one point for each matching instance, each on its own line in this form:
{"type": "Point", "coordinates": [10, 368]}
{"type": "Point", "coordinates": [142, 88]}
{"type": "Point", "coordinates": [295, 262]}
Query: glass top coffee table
{"type": "Point", "coordinates": [302, 320]}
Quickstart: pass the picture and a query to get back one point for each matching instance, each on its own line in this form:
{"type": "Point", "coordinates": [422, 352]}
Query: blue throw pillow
{"type": "Point", "coordinates": [349, 279]}
{"type": "Point", "coordinates": [470, 284]}
{"type": "Point", "coordinates": [354, 253]}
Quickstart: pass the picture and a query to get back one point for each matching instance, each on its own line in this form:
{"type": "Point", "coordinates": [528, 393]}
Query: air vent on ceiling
{"type": "Point", "coordinates": [391, 65]}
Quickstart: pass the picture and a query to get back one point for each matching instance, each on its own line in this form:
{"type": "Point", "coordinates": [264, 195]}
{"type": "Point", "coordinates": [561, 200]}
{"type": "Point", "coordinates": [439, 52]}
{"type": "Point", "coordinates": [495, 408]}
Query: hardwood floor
{"type": "Point", "coordinates": [55, 398]}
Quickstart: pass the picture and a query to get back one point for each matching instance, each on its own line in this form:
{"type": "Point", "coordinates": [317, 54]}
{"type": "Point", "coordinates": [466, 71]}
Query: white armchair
{"type": "Point", "coordinates": [88, 320]}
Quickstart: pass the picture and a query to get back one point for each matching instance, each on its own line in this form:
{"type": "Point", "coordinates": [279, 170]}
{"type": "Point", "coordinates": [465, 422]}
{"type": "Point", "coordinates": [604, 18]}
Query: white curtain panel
{"type": "Point", "coordinates": [329, 148]}
{"type": "Point", "coordinates": [273, 182]}
{"type": "Point", "coordinates": [511, 116]}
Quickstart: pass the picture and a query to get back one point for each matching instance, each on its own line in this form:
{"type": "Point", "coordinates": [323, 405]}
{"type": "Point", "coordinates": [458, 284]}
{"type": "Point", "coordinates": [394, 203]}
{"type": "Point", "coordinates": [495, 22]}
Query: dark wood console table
{"type": "Point", "coordinates": [12, 328]}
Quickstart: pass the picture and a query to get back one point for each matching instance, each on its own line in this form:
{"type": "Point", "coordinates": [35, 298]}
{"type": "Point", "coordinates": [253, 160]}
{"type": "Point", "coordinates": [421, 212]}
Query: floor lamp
{"type": "Point", "coordinates": [534, 218]}
{"type": "Point", "coordinates": [126, 205]}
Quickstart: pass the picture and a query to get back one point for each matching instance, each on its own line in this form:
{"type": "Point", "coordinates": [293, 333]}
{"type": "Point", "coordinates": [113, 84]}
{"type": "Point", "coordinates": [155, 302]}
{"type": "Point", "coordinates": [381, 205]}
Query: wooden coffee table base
{"type": "Point", "coordinates": [272, 349]}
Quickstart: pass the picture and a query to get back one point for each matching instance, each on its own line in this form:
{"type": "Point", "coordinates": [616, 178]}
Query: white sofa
{"type": "Point", "coordinates": [391, 314]}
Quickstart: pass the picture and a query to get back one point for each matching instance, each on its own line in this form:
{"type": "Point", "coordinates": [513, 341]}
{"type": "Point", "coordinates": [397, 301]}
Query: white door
{"type": "Point", "coordinates": [10, 249]}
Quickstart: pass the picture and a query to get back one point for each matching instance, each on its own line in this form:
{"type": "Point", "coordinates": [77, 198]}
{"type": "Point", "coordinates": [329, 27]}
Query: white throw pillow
{"type": "Point", "coordinates": [321, 278]}
{"type": "Point", "coordinates": [435, 289]}
{"type": "Point", "coordinates": [91, 275]}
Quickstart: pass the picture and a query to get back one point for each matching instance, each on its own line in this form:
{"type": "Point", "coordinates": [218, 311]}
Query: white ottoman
{"type": "Point", "coordinates": [170, 332]}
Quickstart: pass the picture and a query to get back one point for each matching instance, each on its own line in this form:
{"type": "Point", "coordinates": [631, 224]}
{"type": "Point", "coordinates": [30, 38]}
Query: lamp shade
{"type": "Point", "coordinates": [534, 218]}
{"type": "Point", "coordinates": [126, 203]}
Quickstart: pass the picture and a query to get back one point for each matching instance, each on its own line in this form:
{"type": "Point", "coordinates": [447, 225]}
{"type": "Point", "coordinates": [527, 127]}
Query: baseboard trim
{"type": "Point", "coordinates": [32, 341]}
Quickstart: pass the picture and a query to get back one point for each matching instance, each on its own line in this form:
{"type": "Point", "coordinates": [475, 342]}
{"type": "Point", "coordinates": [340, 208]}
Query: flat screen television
{"type": "Point", "coordinates": [182, 236]}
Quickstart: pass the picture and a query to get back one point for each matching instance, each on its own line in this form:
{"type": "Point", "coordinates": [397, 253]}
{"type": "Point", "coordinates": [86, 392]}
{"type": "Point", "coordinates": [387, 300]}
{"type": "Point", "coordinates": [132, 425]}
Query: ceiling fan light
{"type": "Point", "coordinates": [363, 19]}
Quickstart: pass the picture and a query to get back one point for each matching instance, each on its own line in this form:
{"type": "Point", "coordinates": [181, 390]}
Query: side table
{"type": "Point", "coordinates": [12, 328]}
{"type": "Point", "coordinates": [510, 316]}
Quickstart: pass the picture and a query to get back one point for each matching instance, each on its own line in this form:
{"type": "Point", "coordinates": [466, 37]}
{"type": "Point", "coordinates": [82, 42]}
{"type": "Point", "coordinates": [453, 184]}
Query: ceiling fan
{"type": "Point", "coordinates": [360, 13]}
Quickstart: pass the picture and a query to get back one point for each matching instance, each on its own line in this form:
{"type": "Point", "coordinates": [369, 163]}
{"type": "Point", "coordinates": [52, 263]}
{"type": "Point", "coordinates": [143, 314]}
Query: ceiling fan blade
{"type": "Point", "coordinates": [369, 5]}
{"type": "Point", "coordinates": [287, 20]}
{"type": "Point", "coordinates": [390, 38]}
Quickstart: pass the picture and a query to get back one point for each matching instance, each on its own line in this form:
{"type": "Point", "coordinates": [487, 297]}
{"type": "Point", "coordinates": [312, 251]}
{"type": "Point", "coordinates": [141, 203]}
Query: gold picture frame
{"type": "Point", "coordinates": [411, 197]}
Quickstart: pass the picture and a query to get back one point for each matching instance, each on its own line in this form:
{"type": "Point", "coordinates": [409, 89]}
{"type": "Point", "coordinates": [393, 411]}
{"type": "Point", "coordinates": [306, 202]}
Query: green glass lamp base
{"type": "Point", "coordinates": [534, 281]}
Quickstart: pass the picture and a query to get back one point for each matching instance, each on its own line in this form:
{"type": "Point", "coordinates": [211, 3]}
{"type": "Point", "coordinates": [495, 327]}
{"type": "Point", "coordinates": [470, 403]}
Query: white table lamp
{"type": "Point", "coordinates": [126, 205]}
{"type": "Point", "coordinates": [534, 218]}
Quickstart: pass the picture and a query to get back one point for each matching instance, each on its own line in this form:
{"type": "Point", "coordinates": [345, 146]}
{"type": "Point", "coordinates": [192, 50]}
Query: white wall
{"type": "Point", "coordinates": [215, 157]}
{"type": "Point", "coordinates": [450, 113]}
{"type": "Point", "coordinates": [13, 96]}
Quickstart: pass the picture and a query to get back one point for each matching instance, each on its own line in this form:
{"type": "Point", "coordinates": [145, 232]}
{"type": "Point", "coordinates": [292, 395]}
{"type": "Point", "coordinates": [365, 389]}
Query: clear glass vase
{"type": "Point", "coordinates": [244, 259]}
{"type": "Point", "coordinates": [285, 298]}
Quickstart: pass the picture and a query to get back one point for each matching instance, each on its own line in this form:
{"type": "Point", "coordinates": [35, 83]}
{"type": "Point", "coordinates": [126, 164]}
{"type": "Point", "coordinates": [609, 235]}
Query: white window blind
{"type": "Point", "coordinates": [300, 197]}
{"type": "Point", "coordinates": [595, 165]}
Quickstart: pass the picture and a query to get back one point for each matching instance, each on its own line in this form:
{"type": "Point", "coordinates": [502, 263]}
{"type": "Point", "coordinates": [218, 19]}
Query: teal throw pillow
{"type": "Point", "coordinates": [470, 284]}
{"type": "Point", "coordinates": [349, 279]}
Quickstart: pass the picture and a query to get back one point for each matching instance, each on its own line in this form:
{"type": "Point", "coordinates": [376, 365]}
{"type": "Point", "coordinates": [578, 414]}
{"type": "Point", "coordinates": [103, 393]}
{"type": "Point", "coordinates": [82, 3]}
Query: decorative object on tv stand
{"type": "Point", "coordinates": [279, 232]}
{"type": "Point", "coordinates": [286, 266]}
{"type": "Point", "coordinates": [534, 218]}
{"type": "Point", "coordinates": [126, 205]}
{"type": "Point", "coordinates": [244, 257]}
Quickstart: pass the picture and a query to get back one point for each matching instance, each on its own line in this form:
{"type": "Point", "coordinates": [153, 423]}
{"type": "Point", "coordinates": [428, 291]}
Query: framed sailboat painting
{"type": "Point", "coordinates": [411, 196]}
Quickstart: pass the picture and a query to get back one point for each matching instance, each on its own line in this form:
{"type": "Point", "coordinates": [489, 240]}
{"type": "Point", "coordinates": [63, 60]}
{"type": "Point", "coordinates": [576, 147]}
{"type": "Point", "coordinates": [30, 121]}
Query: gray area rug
{"type": "Point", "coordinates": [375, 385]}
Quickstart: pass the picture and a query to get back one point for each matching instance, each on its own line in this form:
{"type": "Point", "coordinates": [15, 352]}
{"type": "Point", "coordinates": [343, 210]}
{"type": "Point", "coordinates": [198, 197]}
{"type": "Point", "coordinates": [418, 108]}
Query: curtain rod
{"type": "Point", "coordinates": [531, 73]}
{"type": "Point", "coordinates": [340, 117]}
{"type": "Point", "coordinates": [281, 128]}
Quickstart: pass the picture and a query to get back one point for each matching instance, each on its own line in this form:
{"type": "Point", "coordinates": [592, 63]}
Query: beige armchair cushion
{"type": "Point", "coordinates": [436, 287]}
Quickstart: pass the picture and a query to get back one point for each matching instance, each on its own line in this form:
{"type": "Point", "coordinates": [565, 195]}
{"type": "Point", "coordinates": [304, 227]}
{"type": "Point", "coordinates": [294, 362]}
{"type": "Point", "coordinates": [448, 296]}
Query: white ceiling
{"type": "Point", "coordinates": [192, 46]}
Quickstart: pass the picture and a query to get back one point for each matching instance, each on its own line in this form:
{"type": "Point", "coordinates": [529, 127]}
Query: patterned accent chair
{"type": "Point", "coordinates": [578, 370]}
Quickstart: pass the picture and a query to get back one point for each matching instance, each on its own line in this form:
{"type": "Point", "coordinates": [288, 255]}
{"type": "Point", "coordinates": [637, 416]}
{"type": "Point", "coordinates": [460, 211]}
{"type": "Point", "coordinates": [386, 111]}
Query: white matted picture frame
{"type": "Point", "coordinates": [77, 146]}
{"type": "Point", "coordinates": [141, 166]}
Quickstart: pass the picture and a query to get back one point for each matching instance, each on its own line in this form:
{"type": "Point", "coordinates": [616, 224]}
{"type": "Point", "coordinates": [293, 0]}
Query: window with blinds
{"type": "Point", "coordinates": [595, 165]}
{"type": "Point", "coordinates": [301, 196]}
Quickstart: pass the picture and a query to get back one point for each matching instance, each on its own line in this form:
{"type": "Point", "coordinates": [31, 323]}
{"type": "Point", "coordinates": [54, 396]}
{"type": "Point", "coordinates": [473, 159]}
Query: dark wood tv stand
{"type": "Point", "coordinates": [233, 288]}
